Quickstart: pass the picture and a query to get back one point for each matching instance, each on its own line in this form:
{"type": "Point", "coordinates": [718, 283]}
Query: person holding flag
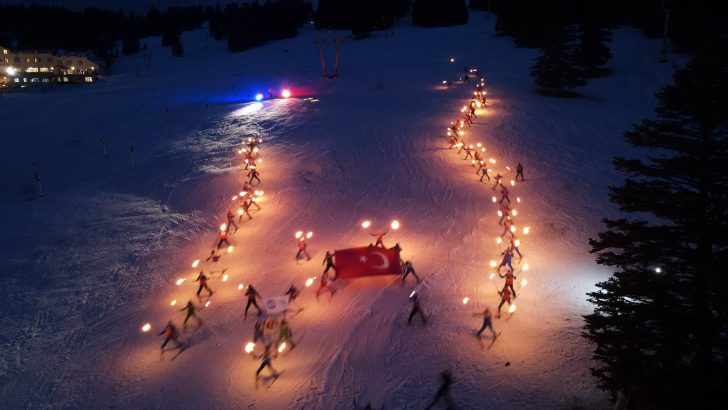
{"type": "Point", "coordinates": [380, 236]}
{"type": "Point", "coordinates": [407, 269]}
{"type": "Point", "coordinates": [329, 262]}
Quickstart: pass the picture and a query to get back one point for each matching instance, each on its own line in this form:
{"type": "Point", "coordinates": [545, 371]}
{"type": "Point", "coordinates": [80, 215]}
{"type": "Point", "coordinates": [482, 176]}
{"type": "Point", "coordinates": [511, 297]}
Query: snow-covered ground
{"type": "Point", "coordinates": [97, 255]}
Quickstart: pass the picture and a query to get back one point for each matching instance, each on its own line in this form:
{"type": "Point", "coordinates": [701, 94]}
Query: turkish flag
{"type": "Point", "coordinates": [366, 261]}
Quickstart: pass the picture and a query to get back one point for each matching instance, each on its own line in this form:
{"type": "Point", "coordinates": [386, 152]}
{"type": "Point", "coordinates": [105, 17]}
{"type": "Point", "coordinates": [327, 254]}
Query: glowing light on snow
{"type": "Point", "coordinates": [479, 145]}
{"type": "Point", "coordinates": [240, 286]}
{"type": "Point", "coordinates": [195, 263]}
{"type": "Point", "coordinates": [658, 270]}
{"type": "Point", "coordinates": [173, 302]}
{"type": "Point", "coordinates": [309, 282]}
{"type": "Point", "coordinates": [282, 347]}
{"type": "Point", "coordinates": [498, 240]}
{"type": "Point", "coordinates": [207, 303]}
{"type": "Point", "coordinates": [500, 213]}
{"type": "Point", "coordinates": [413, 293]}
{"type": "Point", "coordinates": [513, 183]}
{"type": "Point", "coordinates": [494, 200]}
{"type": "Point", "coordinates": [180, 281]}
{"type": "Point", "coordinates": [518, 199]}
{"type": "Point", "coordinates": [513, 228]}
{"type": "Point", "coordinates": [491, 160]}
{"type": "Point", "coordinates": [512, 309]}
{"type": "Point", "coordinates": [146, 327]}
{"type": "Point", "coordinates": [493, 264]}
{"type": "Point", "coordinates": [452, 60]}
{"type": "Point", "coordinates": [514, 212]}
{"type": "Point", "coordinates": [309, 235]}
{"type": "Point", "coordinates": [466, 300]}
{"type": "Point", "coordinates": [248, 109]}
{"type": "Point", "coordinates": [234, 197]}
{"type": "Point", "coordinates": [298, 234]}
{"type": "Point", "coordinates": [258, 97]}
{"type": "Point", "coordinates": [249, 347]}
{"type": "Point", "coordinates": [525, 266]}
{"type": "Point", "coordinates": [526, 230]}
{"type": "Point", "coordinates": [286, 93]}
{"type": "Point", "coordinates": [524, 282]}
{"type": "Point", "coordinates": [366, 224]}
{"type": "Point", "coordinates": [230, 249]}
{"type": "Point", "coordinates": [240, 212]}
{"type": "Point", "coordinates": [223, 227]}
{"type": "Point", "coordinates": [492, 275]}
{"type": "Point", "coordinates": [225, 277]}
{"type": "Point", "coordinates": [395, 224]}
{"type": "Point", "coordinates": [517, 243]}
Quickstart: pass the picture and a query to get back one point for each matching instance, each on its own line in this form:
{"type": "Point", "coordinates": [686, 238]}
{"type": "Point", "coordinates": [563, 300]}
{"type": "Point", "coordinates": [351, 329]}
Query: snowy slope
{"type": "Point", "coordinates": [98, 255]}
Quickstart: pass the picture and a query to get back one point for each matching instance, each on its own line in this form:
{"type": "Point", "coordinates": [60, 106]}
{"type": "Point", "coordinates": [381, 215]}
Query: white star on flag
{"type": "Point", "coordinates": [363, 259]}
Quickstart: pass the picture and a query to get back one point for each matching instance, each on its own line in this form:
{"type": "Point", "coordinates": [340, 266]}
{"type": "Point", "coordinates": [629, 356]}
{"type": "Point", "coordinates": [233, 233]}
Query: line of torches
{"type": "Point", "coordinates": [526, 230]}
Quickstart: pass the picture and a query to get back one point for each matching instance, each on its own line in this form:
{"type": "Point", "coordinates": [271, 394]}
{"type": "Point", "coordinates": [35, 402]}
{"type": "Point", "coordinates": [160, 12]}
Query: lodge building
{"type": "Point", "coordinates": [25, 68]}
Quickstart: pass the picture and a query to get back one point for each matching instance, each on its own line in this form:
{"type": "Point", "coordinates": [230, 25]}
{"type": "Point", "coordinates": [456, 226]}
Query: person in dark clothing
{"type": "Point", "coordinates": [416, 308]}
{"type": "Point", "coordinates": [505, 295]}
{"type": "Point", "coordinates": [252, 295]}
{"type": "Point", "coordinates": [231, 220]}
{"type": "Point", "coordinates": [507, 259]}
{"type": "Point", "coordinates": [254, 174]}
{"type": "Point", "coordinates": [203, 284]}
{"type": "Point", "coordinates": [444, 391]}
{"type": "Point", "coordinates": [266, 356]}
{"type": "Point", "coordinates": [409, 269]}
{"type": "Point", "coordinates": [190, 308]}
{"type": "Point", "coordinates": [487, 323]}
{"type": "Point", "coordinates": [170, 333]}
{"type": "Point", "coordinates": [223, 238]}
{"type": "Point", "coordinates": [214, 256]}
{"type": "Point", "coordinates": [246, 210]}
{"type": "Point", "coordinates": [519, 171]}
{"type": "Point", "coordinates": [329, 261]}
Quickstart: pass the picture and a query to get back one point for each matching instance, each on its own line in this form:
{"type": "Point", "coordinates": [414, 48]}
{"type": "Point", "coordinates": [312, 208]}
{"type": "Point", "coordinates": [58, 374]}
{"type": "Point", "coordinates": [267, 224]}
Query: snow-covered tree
{"type": "Point", "coordinates": [660, 324]}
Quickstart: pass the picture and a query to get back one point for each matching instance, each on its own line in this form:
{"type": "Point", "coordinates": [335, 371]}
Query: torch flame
{"type": "Point", "coordinates": [498, 240]}
{"type": "Point", "coordinates": [223, 227]}
{"type": "Point", "coordinates": [517, 243]}
{"type": "Point", "coordinates": [240, 286]}
{"type": "Point", "coordinates": [230, 249]}
{"type": "Point", "coordinates": [195, 263]}
{"type": "Point", "coordinates": [466, 300]}
{"type": "Point", "coordinates": [512, 309]}
{"type": "Point", "coordinates": [309, 282]}
{"type": "Point", "coordinates": [492, 275]}
{"type": "Point", "coordinates": [366, 224]}
{"type": "Point", "coordinates": [249, 347]}
{"type": "Point", "coordinates": [282, 347]}
{"type": "Point", "coordinates": [173, 302]}
{"type": "Point", "coordinates": [298, 234]}
{"type": "Point", "coordinates": [207, 304]}
{"type": "Point", "coordinates": [513, 183]}
{"type": "Point", "coordinates": [518, 198]}
{"type": "Point", "coordinates": [180, 281]}
{"type": "Point", "coordinates": [514, 212]}
{"type": "Point", "coordinates": [395, 224]}
{"type": "Point", "coordinates": [526, 230]}
{"type": "Point", "coordinates": [524, 282]}
{"type": "Point", "coordinates": [225, 277]}
{"type": "Point", "coordinates": [493, 264]}
{"type": "Point", "coordinates": [146, 327]}
{"type": "Point", "coordinates": [525, 266]}
{"type": "Point", "coordinates": [309, 235]}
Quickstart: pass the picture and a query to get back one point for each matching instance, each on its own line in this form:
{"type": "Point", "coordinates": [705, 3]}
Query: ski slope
{"type": "Point", "coordinates": [97, 255]}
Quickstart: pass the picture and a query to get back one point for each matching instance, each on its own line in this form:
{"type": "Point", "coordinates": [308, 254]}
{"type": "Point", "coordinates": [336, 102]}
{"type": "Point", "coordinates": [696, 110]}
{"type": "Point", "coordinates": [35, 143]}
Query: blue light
{"type": "Point", "coordinates": [258, 97]}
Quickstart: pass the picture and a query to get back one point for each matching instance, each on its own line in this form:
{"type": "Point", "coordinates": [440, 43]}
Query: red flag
{"type": "Point", "coordinates": [366, 261]}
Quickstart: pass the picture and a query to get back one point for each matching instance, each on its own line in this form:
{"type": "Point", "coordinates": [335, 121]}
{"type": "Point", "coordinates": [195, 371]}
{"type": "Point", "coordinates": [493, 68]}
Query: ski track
{"type": "Point", "coordinates": [98, 255]}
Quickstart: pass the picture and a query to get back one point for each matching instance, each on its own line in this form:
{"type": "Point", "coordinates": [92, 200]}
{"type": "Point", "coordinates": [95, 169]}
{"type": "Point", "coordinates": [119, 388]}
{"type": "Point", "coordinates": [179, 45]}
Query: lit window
{"type": "Point", "coordinates": [27, 59]}
{"type": "Point", "coordinates": [44, 69]}
{"type": "Point", "coordinates": [5, 52]}
{"type": "Point", "coordinates": [31, 70]}
{"type": "Point", "coordinates": [89, 79]}
{"type": "Point", "coordinates": [36, 60]}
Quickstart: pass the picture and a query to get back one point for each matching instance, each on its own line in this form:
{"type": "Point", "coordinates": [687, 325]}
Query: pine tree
{"type": "Point", "coordinates": [660, 325]}
{"type": "Point", "coordinates": [592, 53]}
{"type": "Point", "coordinates": [554, 71]}
{"type": "Point", "coordinates": [177, 48]}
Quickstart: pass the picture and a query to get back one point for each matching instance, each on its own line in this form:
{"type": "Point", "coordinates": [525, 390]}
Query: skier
{"type": "Point", "coordinates": [519, 171]}
{"type": "Point", "coordinates": [223, 238]}
{"type": "Point", "coordinates": [325, 284]}
{"type": "Point", "coordinates": [231, 220]}
{"type": "Point", "coordinates": [190, 308]}
{"type": "Point", "coordinates": [302, 249]}
{"type": "Point", "coordinates": [214, 256]}
{"type": "Point", "coordinates": [292, 293]}
{"type": "Point", "coordinates": [170, 333]}
{"type": "Point", "coordinates": [504, 195]}
{"type": "Point", "coordinates": [379, 236]}
{"type": "Point", "coordinates": [487, 323]}
{"type": "Point", "coordinates": [453, 141]}
{"type": "Point", "coordinates": [203, 284]}
{"type": "Point", "coordinates": [472, 109]}
{"type": "Point", "coordinates": [443, 391]}
{"type": "Point", "coordinates": [409, 269]}
{"type": "Point", "coordinates": [505, 295]}
{"type": "Point", "coordinates": [498, 178]}
{"type": "Point", "coordinates": [285, 334]}
{"type": "Point", "coordinates": [484, 174]}
{"type": "Point", "coordinates": [468, 152]}
{"type": "Point", "coordinates": [505, 212]}
{"type": "Point", "coordinates": [266, 362]}
{"type": "Point", "coordinates": [246, 210]}
{"type": "Point", "coordinates": [253, 174]}
{"type": "Point", "coordinates": [507, 258]}
{"type": "Point", "coordinates": [252, 295]}
{"type": "Point", "coordinates": [468, 118]}
{"type": "Point", "coordinates": [507, 227]}
{"type": "Point", "coordinates": [329, 261]}
{"type": "Point", "coordinates": [509, 276]}
{"type": "Point", "coordinates": [416, 308]}
{"type": "Point", "coordinates": [253, 202]}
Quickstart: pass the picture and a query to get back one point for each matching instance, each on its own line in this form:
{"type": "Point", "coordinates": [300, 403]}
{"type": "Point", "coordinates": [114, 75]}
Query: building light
{"type": "Point", "coordinates": [11, 71]}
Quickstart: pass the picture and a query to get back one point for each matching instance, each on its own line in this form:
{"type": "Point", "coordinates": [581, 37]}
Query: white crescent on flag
{"type": "Point", "coordinates": [385, 262]}
{"type": "Point", "coordinates": [275, 305]}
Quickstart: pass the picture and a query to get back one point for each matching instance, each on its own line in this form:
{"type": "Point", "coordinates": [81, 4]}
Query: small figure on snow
{"type": "Point", "coordinates": [416, 308]}
{"type": "Point", "coordinates": [407, 269]}
{"type": "Point", "coordinates": [231, 221]}
{"type": "Point", "coordinates": [484, 174]}
{"type": "Point", "coordinates": [257, 330]}
{"type": "Point", "coordinates": [325, 285]}
{"type": "Point", "coordinates": [519, 171]}
{"type": "Point", "coordinates": [380, 236]}
{"type": "Point", "coordinates": [329, 262]}
{"type": "Point", "coordinates": [487, 323]}
{"type": "Point", "coordinates": [498, 179]}
{"type": "Point", "coordinates": [223, 238]}
{"type": "Point", "coordinates": [252, 295]}
{"type": "Point", "coordinates": [253, 174]}
{"type": "Point", "coordinates": [190, 308]}
{"type": "Point", "coordinates": [266, 356]}
{"type": "Point", "coordinates": [507, 227]}
{"type": "Point", "coordinates": [509, 276]}
{"type": "Point", "coordinates": [214, 256]}
{"type": "Point", "coordinates": [203, 284]}
{"type": "Point", "coordinates": [507, 259]}
{"type": "Point", "coordinates": [505, 295]}
{"type": "Point", "coordinates": [302, 249]}
{"type": "Point", "coordinates": [246, 210]}
{"type": "Point", "coordinates": [170, 333]}
{"type": "Point", "coordinates": [285, 334]}
{"type": "Point", "coordinates": [504, 195]}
